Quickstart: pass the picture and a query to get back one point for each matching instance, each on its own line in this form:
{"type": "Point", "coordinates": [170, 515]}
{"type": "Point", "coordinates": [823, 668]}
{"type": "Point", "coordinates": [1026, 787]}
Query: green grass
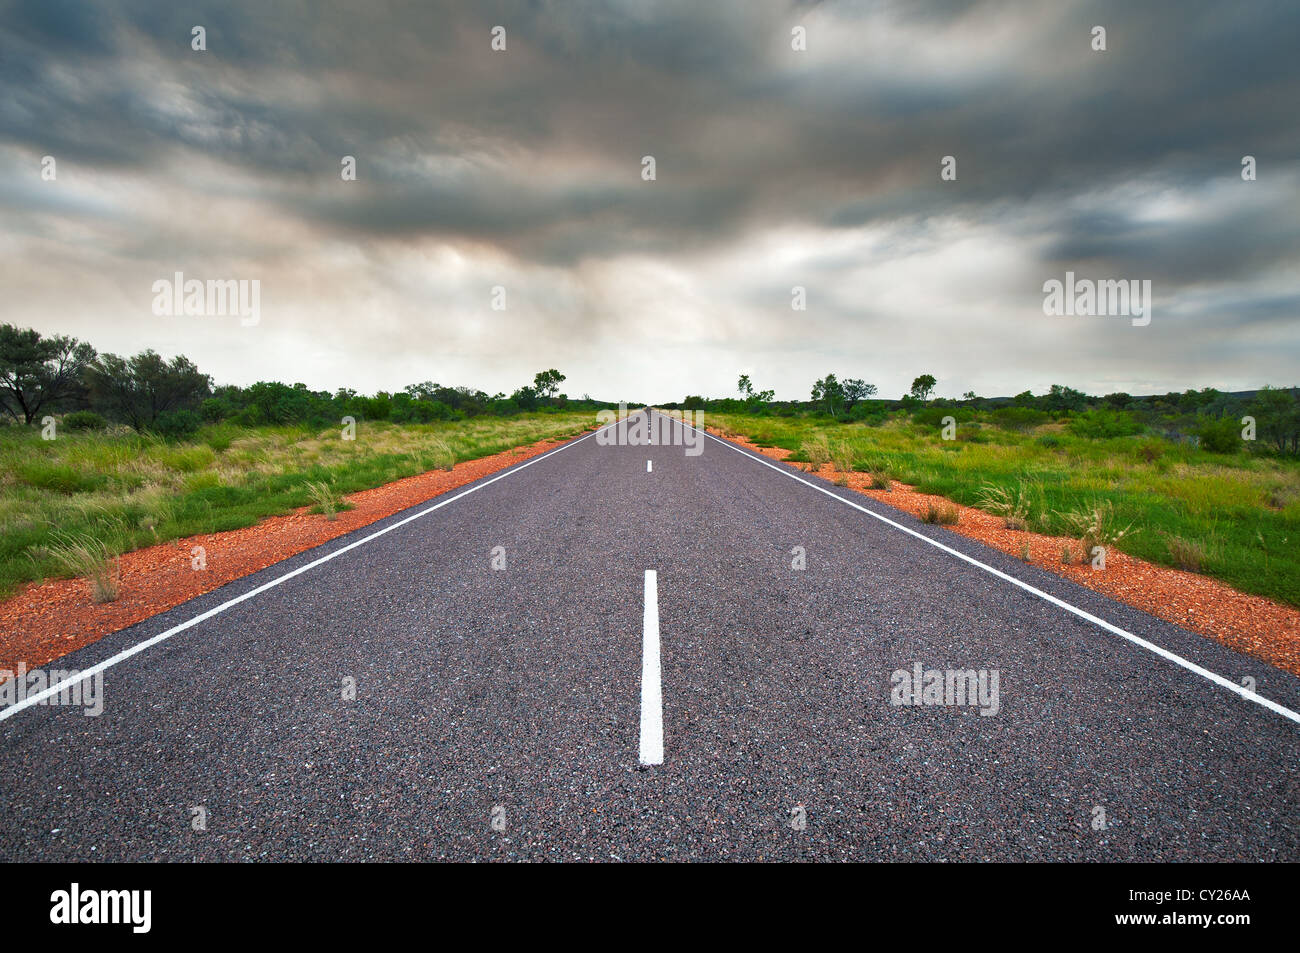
{"type": "Point", "coordinates": [1235, 516]}
{"type": "Point", "coordinates": [104, 493]}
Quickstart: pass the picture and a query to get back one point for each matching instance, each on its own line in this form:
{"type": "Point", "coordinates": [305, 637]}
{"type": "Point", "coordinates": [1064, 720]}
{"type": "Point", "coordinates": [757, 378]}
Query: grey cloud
{"type": "Point", "coordinates": [460, 145]}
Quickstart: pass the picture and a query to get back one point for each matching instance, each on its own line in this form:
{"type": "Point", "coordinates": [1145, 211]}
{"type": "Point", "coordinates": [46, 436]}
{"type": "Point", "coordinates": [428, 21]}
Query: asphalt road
{"type": "Point", "coordinates": [498, 713]}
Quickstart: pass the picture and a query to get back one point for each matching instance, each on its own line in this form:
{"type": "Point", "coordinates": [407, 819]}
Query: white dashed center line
{"type": "Point", "coordinates": [652, 701]}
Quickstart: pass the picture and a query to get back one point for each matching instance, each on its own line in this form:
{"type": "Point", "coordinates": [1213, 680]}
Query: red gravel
{"type": "Point", "coordinates": [1254, 625]}
{"type": "Point", "coordinates": [45, 621]}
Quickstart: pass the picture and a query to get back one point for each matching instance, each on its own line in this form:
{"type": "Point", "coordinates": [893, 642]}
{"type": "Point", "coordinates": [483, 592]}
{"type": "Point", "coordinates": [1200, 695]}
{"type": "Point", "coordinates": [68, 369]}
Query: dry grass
{"type": "Point", "coordinates": [1013, 505]}
{"type": "Point", "coordinates": [842, 456]}
{"type": "Point", "coordinates": [818, 451]}
{"type": "Point", "coordinates": [941, 514]}
{"type": "Point", "coordinates": [1187, 554]}
{"type": "Point", "coordinates": [1094, 525]}
{"type": "Point", "coordinates": [82, 555]}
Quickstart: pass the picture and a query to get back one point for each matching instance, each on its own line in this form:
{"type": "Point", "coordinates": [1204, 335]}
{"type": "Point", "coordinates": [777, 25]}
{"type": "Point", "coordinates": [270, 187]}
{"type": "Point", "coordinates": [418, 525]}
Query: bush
{"type": "Point", "coordinates": [84, 420]}
{"type": "Point", "coordinates": [1220, 436]}
{"type": "Point", "coordinates": [931, 417]}
{"type": "Point", "coordinates": [1102, 423]}
{"type": "Point", "coordinates": [215, 409]}
{"type": "Point", "coordinates": [220, 437]}
{"type": "Point", "coordinates": [1019, 418]}
{"type": "Point", "coordinates": [174, 424]}
{"type": "Point", "coordinates": [1149, 451]}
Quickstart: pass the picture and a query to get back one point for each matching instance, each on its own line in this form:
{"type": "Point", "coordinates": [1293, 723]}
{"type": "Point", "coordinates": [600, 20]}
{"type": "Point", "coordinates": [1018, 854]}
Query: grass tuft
{"type": "Point", "coordinates": [325, 499]}
{"type": "Point", "coordinates": [1095, 525]}
{"type": "Point", "coordinates": [818, 452]}
{"type": "Point", "coordinates": [1187, 554]}
{"type": "Point", "coordinates": [941, 514]}
{"type": "Point", "coordinates": [81, 554]}
{"type": "Point", "coordinates": [1013, 505]}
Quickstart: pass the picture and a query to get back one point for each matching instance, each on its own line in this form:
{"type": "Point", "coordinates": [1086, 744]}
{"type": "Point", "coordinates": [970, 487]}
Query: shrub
{"type": "Point", "coordinates": [1149, 451]}
{"type": "Point", "coordinates": [175, 424]}
{"type": "Point", "coordinates": [880, 473]}
{"type": "Point", "coordinates": [220, 438]}
{"type": "Point", "coordinates": [1019, 418]}
{"type": "Point", "coordinates": [1102, 423]}
{"type": "Point", "coordinates": [84, 420]}
{"type": "Point", "coordinates": [214, 409]}
{"type": "Point", "coordinates": [1220, 436]}
{"type": "Point", "coordinates": [932, 417]}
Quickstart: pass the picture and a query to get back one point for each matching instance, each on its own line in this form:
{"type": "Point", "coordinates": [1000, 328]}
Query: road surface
{"type": "Point", "coordinates": [498, 713]}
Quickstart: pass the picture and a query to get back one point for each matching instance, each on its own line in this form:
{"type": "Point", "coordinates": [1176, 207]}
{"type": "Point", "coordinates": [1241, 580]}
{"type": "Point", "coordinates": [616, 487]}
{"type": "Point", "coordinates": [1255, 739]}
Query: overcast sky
{"type": "Point", "coordinates": [775, 168]}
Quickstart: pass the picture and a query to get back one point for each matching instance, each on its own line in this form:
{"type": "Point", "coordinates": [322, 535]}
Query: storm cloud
{"type": "Point", "coordinates": [775, 167]}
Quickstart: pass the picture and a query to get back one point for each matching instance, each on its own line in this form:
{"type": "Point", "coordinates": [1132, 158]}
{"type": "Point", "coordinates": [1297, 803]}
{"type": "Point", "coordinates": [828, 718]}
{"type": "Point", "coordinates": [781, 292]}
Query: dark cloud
{"type": "Point", "coordinates": [531, 159]}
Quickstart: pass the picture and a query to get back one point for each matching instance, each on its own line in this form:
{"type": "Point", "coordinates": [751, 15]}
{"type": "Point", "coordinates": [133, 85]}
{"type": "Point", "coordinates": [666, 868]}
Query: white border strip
{"type": "Point", "coordinates": [1136, 640]}
{"type": "Point", "coordinates": [125, 654]}
{"type": "Point", "coordinates": [652, 698]}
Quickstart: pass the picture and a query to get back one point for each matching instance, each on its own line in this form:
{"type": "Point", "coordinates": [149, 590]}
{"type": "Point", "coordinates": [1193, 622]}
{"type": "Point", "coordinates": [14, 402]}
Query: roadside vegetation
{"type": "Point", "coordinates": [69, 505]}
{"type": "Point", "coordinates": [101, 454]}
{"type": "Point", "coordinates": [1166, 478]}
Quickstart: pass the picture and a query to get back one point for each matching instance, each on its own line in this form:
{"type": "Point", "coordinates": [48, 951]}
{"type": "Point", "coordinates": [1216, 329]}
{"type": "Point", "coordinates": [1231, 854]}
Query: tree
{"type": "Point", "coordinates": [1278, 417]}
{"type": "Point", "coordinates": [139, 389]}
{"type": "Point", "coordinates": [830, 393]}
{"type": "Point", "coordinates": [856, 390]}
{"type": "Point", "coordinates": [753, 399]}
{"type": "Point", "coordinates": [547, 383]}
{"type": "Point", "coordinates": [526, 397]}
{"type": "Point", "coordinates": [37, 373]}
{"type": "Point", "coordinates": [923, 386]}
{"type": "Point", "coordinates": [1060, 398]}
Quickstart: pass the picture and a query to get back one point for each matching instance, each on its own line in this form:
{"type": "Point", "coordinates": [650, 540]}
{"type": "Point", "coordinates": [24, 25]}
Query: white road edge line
{"type": "Point", "coordinates": [652, 699]}
{"type": "Point", "coordinates": [125, 654]}
{"type": "Point", "coordinates": [1123, 633]}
